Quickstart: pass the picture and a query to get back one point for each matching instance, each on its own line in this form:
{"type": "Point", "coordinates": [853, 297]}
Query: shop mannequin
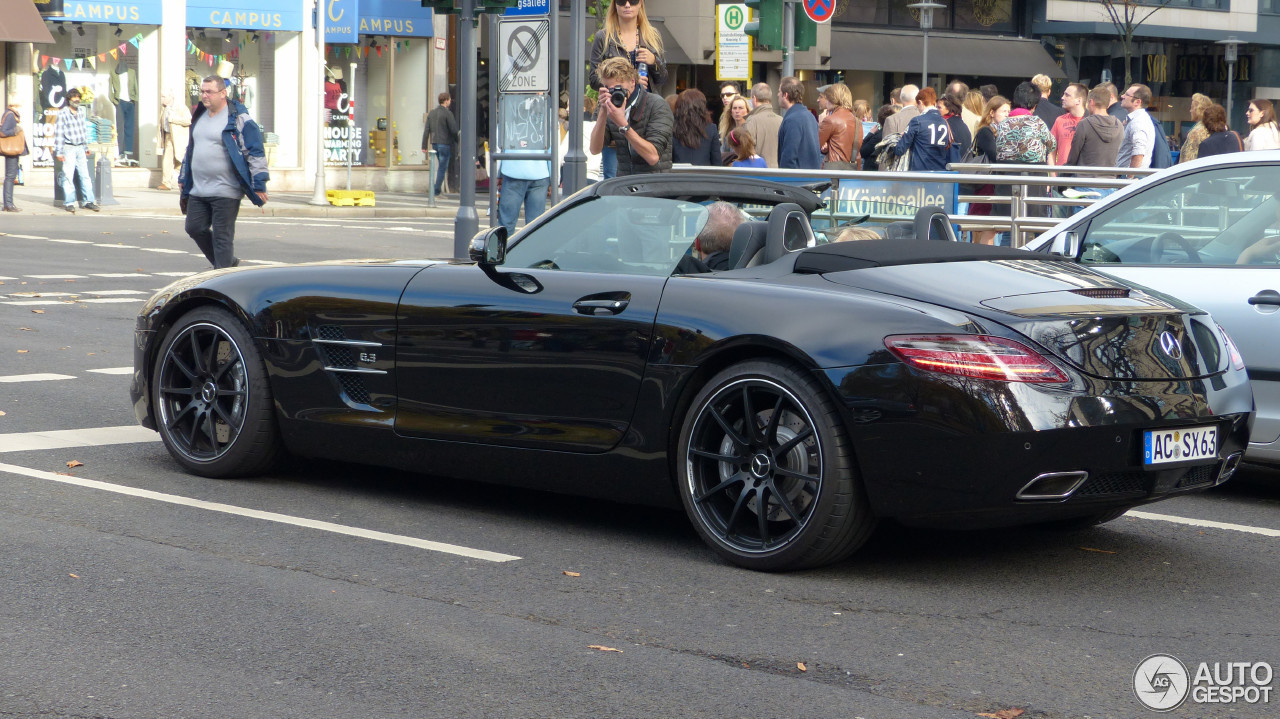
{"type": "Point", "coordinates": [124, 93]}
{"type": "Point", "coordinates": [53, 88]}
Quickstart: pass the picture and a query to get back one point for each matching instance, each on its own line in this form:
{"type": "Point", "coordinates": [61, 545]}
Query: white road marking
{"type": "Point", "coordinates": [109, 300]}
{"type": "Point", "coordinates": [116, 246]}
{"type": "Point", "coordinates": [2, 278]}
{"type": "Point", "coordinates": [264, 262]}
{"type": "Point", "coordinates": [42, 294]}
{"type": "Point", "coordinates": [114, 292]}
{"type": "Point", "coordinates": [119, 275]}
{"type": "Point", "coordinates": [32, 303]}
{"type": "Point", "coordinates": [39, 377]}
{"type": "Point", "coordinates": [63, 438]}
{"type": "Point", "coordinates": [175, 274]}
{"type": "Point", "coordinates": [259, 514]}
{"type": "Point", "coordinates": [58, 277]}
{"type": "Point", "coordinates": [69, 242]}
{"type": "Point", "coordinates": [27, 237]}
{"type": "Point", "coordinates": [112, 370]}
{"type": "Point", "coordinates": [1204, 523]}
{"type": "Point", "coordinates": [164, 251]}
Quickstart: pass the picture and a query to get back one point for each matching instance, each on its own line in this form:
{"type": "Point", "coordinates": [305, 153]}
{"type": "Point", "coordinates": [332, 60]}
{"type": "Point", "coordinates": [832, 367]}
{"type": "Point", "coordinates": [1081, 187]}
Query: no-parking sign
{"type": "Point", "coordinates": [819, 11]}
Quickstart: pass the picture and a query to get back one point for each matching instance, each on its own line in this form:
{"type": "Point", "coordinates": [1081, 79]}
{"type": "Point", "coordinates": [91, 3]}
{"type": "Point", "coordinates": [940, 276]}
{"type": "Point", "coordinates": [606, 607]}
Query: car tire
{"type": "Point", "coordinates": [213, 404]}
{"type": "Point", "coordinates": [796, 465]}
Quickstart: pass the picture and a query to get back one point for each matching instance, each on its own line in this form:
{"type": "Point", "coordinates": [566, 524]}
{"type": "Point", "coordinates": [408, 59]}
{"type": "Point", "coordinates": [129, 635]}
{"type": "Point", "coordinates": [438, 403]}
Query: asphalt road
{"type": "Point", "coordinates": [131, 590]}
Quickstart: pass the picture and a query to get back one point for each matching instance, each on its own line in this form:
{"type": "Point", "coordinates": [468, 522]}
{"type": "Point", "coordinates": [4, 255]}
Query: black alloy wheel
{"type": "Point", "coordinates": [766, 472]}
{"type": "Point", "coordinates": [213, 403]}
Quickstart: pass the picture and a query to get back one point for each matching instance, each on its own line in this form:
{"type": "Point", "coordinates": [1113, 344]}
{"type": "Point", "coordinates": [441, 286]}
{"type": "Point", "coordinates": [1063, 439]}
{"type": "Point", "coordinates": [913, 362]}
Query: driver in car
{"type": "Point", "coordinates": [1265, 249]}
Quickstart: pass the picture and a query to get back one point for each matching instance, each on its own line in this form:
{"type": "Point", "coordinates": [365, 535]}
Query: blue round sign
{"type": "Point", "coordinates": [819, 10]}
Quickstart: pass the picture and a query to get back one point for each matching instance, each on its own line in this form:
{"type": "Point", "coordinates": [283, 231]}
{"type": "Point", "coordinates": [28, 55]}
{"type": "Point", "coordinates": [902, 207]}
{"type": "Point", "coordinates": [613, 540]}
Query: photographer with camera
{"type": "Point", "coordinates": [638, 122]}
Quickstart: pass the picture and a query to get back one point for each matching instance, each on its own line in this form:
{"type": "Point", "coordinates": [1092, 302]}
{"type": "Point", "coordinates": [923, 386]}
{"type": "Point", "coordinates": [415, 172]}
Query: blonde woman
{"type": "Point", "coordinates": [1191, 148]}
{"type": "Point", "coordinates": [839, 133]}
{"type": "Point", "coordinates": [628, 33]}
{"type": "Point", "coordinates": [974, 103]}
{"type": "Point", "coordinates": [1263, 131]}
{"type": "Point", "coordinates": [994, 112]}
{"type": "Point", "coordinates": [734, 115]}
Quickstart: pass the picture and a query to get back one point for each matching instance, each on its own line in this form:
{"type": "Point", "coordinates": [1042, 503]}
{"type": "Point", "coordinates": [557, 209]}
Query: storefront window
{"type": "Point", "coordinates": [101, 62]}
{"type": "Point", "coordinates": [976, 15]}
{"type": "Point", "coordinates": [246, 59]}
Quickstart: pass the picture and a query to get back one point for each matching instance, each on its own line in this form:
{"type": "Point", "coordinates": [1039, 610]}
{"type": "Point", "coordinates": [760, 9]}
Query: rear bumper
{"type": "Point", "coordinates": [951, 452]}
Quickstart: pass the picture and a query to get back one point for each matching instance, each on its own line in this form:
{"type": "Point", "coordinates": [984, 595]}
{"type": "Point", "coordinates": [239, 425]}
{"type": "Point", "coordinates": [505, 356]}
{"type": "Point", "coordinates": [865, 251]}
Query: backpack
{"type": "Point", "coordinates": [1161, 156]}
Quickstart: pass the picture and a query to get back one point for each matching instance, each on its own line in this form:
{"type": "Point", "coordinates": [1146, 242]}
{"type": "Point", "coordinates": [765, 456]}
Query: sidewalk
{"type": "Point", "coordinates": [36, 200]}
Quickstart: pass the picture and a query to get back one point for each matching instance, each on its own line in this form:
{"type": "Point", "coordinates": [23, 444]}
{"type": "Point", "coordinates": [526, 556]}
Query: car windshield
{"type": "Point", "coordinates": [614, 235]}
{"type": "Point", "coordinates": [1225, 216]}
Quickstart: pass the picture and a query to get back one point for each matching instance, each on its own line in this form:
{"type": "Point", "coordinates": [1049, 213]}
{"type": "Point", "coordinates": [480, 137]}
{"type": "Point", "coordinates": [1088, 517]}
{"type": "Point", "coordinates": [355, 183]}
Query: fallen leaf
{"type": "Point", "coordinates": [801, 667]}
{"type": "Point", "coordinates": [92, 354]}
{"type": "Point", "coordinates": [39, 312]}
{"type": "Point", "coordinates": [1005, 714]}
{"type": "Point", "coordinates": [1, 413]}
{"type": "Point", "coordinates": [26, 329]}
{"type": "Point", "coordinates": [73, 576]}
{"type": "Point", "coordinates": [164, 232]}
{"type": "Point", "coordinates": [603, 648]}
{"type": "Point", "coordinates": [572, 574]}
{"type": "Point", "coordinates": [75, 463]}
{"type": "Point", "coordinates": [1099, 551]}
{"type": "Point", "coordinates": [107, 233]}
{"type": "Point", "coordinates": [22, 352]}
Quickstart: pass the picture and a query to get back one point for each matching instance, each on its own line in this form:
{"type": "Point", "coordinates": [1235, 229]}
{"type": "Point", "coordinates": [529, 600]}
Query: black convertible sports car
{"type": "Point", "coordinates": [788, 402]}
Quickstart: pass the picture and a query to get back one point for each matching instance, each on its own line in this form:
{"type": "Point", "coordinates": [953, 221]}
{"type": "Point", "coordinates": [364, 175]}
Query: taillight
{"type": "Point", "coordinates": [979, 356]}
{"type": "Point", "coordinates": [1237, 361]}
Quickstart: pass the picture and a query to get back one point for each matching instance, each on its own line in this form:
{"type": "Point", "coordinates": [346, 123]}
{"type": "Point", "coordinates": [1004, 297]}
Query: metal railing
{"type": "Point", "coordinates": [1024, 182]}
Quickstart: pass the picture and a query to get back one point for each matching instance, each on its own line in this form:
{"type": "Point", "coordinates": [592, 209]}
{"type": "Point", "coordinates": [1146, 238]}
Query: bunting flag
{"type": "Point", "coordinates": [115, 55]}
{"type": "Point", "coordinates": [379, 51]}
{"type": "Point", "coordinates": [79, 64]}
{"type": "Point", "coordinates": [68, 62]}
{"type": "Point", "coordinates": [92, 63]}
{"type": "Point", "coordinates": [124, 48]}
{"type": "Point", "coordinates": [135, 40]}
{"type": "Point", "coordinates": [44, 61]}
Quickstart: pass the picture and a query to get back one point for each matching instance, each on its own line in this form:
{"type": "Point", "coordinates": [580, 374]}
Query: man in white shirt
{"type": "Point", "coordinates": [1139, 132]}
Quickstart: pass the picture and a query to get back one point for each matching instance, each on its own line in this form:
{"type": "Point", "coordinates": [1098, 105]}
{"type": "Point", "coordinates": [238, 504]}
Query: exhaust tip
{"type": "Point", "coordinates": [1052, 486]}
{"type": "Point", "coordinates": [1229, 467]}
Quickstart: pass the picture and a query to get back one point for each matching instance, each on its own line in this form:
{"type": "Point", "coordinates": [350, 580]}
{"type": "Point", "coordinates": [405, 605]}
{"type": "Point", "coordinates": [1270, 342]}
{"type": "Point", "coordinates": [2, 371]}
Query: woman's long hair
{"type": "Point", "coordinates": [726, 116]}
{"type": "Point", "coordinates": [649, 34]}
{"type": "Point", "coordinates": [989, 112]}
{"type": "Point", "coordinates": [1266, 111]}
{"type": "Point", "coordinates": [691, 118]}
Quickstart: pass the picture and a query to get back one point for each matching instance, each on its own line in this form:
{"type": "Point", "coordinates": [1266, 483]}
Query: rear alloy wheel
{"type": "Point", "coordinates": [213, 403]}
{"type": "Point", "coordinates": [766, 472]}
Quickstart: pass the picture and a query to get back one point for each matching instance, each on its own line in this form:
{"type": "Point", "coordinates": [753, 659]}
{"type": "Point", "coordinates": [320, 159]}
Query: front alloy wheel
{"type": "Point", "coordinates": [766, 472]}
{"type": "Point", "coordinates": [213, 405]}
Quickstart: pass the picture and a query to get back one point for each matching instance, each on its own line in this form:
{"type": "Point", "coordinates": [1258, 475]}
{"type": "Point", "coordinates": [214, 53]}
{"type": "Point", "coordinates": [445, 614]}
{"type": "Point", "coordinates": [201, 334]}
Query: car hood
{"type": "Point", "coordinates": [1099, 325]}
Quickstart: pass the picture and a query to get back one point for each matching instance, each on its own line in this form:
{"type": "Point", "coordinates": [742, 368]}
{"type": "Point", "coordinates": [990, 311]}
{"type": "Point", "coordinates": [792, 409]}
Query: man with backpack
{"type": "Point", "coordinates": [225, 161]}
{"type": "Point", "coordinates": [1144, 144]}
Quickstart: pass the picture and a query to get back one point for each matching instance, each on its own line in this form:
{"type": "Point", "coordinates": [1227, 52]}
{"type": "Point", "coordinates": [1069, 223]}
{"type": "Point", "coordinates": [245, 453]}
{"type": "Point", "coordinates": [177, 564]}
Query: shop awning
{"type": "Point", "coordinates": [671, 50]}
{"type": "Point", "coordinates": [21, 22]}
{"type": "Point", "coordinates": [981, 55]}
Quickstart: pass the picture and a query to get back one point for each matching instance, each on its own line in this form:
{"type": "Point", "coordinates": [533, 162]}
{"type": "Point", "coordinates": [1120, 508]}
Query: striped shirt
{"type": "Point", "coordinates": [70, 129]}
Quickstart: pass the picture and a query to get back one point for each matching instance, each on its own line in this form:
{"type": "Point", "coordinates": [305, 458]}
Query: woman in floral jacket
{"type": "Point", "coordinates": [1024, 139]}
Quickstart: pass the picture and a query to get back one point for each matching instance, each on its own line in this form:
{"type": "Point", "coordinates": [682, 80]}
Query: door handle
{"type": "Point", "coordinates": [1266, 297]}
{"type": "Point", "coordinates": [611, 306]}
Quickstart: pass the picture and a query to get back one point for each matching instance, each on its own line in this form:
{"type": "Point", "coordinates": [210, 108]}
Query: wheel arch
{"type": "Point", "coordinates": [173, 311]}
{"type": "Point", "coordinates": [724, 355]}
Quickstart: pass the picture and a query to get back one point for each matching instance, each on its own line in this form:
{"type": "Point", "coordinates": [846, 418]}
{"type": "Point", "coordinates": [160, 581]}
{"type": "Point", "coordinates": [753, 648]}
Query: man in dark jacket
{"type": "Point", "coordinates": [798, 133]}
{"type": "Point", "coordinates": [225, 161]}
{"type": "Point", "coordinates": [640, 126]}
{"type": "Point", "coordinates": [441, 132]}
{"type": "Point", "coordinates": [1114, 108]}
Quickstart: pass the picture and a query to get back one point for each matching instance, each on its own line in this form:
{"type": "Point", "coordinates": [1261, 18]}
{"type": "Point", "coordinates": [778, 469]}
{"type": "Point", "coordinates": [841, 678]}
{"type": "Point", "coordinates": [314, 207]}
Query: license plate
{"type": "Point", "coordinates": [1161, 446]}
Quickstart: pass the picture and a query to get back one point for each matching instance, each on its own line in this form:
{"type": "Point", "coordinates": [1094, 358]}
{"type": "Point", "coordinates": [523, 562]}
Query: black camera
{"type": "Point", "coordinates": [618, 96]}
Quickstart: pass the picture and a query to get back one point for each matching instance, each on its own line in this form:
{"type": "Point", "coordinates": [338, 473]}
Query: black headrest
{"type": "Point", "coordinates": [748, 239]}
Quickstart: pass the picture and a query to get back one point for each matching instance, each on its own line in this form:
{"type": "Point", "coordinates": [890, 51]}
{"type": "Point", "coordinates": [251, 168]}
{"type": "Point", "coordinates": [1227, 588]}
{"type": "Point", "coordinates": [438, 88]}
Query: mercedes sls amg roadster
{"type": "Point", "coordinates": [787, 403]}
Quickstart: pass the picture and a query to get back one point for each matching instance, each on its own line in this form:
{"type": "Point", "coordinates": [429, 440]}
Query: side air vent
{"type": "Point", "coordinates": [330, 332]}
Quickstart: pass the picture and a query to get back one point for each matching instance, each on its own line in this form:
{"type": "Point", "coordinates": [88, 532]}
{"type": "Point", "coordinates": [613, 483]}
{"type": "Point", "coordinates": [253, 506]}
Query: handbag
{"type": "Point", "coordinates": [15, 145]}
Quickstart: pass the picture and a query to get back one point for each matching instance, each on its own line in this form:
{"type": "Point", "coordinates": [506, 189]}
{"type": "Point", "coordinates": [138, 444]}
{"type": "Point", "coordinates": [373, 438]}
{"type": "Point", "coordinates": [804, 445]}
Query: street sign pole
{"type": "Point", "coordinates": [788, 38]}
{"type": "Point", "coordinates": [575, 160]}
{"type": "Point", "coordinates": [318, 195]}
{"type": "Point", "coordinates": [467, 223]}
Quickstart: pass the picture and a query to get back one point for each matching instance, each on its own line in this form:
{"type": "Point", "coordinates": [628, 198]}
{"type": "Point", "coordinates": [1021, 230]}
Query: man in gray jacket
{"type": "Point", "coordinates": [440, 134]}
{"type": "Point", "coordinates": [896, 124]}
{"type": "Point", "coordinates": [763, 123]}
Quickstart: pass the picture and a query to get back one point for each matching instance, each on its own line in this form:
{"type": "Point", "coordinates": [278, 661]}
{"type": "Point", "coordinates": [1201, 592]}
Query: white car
{"type": "Point", "coordinates": [1207, 232]}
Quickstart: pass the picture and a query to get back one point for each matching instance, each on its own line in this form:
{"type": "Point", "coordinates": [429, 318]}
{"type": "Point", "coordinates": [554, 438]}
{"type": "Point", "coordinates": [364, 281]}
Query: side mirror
{"type": "Point", "coordinates": [1067, 245]}
{"type": "Point", "coordinates": [489, 248]}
